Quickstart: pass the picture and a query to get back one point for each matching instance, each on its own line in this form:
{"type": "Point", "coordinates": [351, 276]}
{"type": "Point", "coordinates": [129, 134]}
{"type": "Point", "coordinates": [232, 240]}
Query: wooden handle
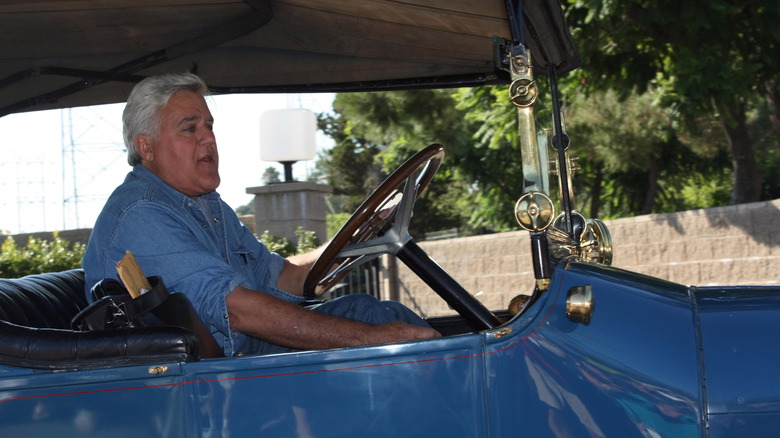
{"type": "Point", "coordinates": [132, 275]}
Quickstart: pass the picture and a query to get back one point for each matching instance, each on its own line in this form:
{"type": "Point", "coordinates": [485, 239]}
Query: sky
{"type": "Point", "coordinates": [60, 166]}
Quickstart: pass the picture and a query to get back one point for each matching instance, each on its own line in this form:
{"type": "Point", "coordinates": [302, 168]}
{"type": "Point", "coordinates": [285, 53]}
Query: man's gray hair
{"type": "Point", "coordinates": [140, 115]}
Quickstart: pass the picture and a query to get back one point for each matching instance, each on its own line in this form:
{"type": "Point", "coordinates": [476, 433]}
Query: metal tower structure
{"type": "Point", "coordinates": [93, 162]}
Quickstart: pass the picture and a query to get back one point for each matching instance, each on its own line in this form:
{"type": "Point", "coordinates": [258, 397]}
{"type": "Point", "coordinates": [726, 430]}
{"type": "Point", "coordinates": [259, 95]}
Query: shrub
{"type": "Point", "coordinates": [335, 222]}
{"type": "Point", "coordinates": [307, 241]}
{"type": "Point", "coordinates": [39, 256]}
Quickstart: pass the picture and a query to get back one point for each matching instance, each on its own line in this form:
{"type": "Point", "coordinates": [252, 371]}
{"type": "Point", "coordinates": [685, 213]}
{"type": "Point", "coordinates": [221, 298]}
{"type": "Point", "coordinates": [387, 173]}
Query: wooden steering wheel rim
{"type": "Point", "coordinates": [316, 282]}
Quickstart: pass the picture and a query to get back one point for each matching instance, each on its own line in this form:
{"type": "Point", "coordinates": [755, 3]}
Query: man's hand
{"type": "Point", "coordinates": [295, 270]}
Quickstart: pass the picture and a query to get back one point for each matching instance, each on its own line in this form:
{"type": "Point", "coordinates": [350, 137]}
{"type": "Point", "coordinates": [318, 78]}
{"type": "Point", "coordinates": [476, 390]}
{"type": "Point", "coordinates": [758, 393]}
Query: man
{"type": "Point", "coordinates": [169, 215]}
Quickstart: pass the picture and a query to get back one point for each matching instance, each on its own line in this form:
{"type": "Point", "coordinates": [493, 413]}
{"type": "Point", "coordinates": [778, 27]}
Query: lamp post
{"type": "Point", "coordinates": [288, 136]}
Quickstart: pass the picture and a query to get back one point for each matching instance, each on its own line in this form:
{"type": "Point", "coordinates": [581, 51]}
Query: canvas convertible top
{"type": "Point", "coordinates": [57, 54]}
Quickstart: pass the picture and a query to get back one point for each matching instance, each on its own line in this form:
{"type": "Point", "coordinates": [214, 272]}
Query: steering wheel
{"type": "Point", "coordinates": [381, 226]}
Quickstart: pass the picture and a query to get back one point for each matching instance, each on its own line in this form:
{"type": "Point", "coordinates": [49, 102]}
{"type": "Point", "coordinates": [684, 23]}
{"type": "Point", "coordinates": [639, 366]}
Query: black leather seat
{"type": "Point", "coordinates": [35, 315]}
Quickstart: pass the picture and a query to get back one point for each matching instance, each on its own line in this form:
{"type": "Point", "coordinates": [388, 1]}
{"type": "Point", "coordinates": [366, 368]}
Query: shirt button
{"type": "Point", "coordinates": [216, 220]}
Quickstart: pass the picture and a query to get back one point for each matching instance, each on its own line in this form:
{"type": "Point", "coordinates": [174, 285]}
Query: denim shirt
{"type": "Point", "coordinates": [198, 247]}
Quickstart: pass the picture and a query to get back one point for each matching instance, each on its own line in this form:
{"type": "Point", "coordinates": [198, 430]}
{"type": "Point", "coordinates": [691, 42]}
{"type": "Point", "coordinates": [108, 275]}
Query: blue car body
{"type": "Point", "coordinates": [656, 359]}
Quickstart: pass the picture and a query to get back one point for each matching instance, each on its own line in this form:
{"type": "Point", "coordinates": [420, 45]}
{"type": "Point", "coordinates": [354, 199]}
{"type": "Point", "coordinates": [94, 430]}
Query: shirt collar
{"type": "Point", "coordinates": [145, 174]}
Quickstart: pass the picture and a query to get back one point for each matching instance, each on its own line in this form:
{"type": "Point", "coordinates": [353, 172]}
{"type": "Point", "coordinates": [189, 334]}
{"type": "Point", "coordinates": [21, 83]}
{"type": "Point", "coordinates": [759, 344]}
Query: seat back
{"type": "Point", "coordinates": [48, 300]}
{"type": "Point", "coordinates": [35, 315]}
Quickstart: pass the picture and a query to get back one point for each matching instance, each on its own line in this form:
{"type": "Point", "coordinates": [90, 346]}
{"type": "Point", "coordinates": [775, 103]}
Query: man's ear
{"type": "Point", "coordinates": [143, 144]}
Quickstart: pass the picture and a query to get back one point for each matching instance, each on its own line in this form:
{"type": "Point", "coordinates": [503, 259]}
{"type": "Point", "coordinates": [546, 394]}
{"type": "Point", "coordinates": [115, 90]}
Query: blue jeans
{"type": "Point", "coordinates": [359, 307]}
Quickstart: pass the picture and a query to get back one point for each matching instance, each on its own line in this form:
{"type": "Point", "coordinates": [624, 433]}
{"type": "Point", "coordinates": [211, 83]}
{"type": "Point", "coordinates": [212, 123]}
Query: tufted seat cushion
{"type": "Point", "coordinates": [43, 300]}
{"type": "Point", "coordinates": [35, 315]}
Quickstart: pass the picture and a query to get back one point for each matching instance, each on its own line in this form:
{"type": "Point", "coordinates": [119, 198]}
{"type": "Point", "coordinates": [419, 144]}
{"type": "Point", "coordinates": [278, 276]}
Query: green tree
{"type": "Point", "coordinates": [271, 175]}
{"type": "Point", "coordinates": [634, 161]}
{"type": "Point", "coordinates": [350, 165]}
{"type": "Point", "coordinates": [709, 57]}
{"type": "Point", "coordinates": [491, 158]}
{"type": "Point", "coordinates": [376, 132]}
{"type": "Point", "coordinates": [246, 209]}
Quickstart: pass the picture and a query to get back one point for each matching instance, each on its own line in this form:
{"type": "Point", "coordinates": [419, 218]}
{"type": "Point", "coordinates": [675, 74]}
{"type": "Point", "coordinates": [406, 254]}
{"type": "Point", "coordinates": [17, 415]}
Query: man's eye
{"type": "Point", "coordinates": [190, 129]}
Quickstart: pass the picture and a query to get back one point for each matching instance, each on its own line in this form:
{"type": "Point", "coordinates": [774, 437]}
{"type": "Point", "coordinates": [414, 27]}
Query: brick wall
{"type": "Point", "coordinates": [717, 246]}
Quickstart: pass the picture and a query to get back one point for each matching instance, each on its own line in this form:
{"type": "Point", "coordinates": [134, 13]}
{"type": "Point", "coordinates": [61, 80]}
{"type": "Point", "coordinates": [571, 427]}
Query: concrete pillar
{"type": "Point", "coordinates": [281, 208]}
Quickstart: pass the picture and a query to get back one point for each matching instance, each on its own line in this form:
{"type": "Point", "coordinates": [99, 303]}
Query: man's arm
{"type": "Point", "coordinates": [280, 322]}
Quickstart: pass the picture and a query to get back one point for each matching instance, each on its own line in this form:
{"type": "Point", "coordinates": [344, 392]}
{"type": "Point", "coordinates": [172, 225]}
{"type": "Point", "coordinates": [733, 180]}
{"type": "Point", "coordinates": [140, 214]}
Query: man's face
{"type": "Point", "coordinates": [184, 154]}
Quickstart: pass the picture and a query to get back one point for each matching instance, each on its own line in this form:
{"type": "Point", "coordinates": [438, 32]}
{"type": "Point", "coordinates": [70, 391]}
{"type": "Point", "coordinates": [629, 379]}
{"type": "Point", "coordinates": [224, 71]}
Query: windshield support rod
{"type": "Point", "coordinates": [561, 143]}
{"type": "Point", "coordinates": [515, 16]}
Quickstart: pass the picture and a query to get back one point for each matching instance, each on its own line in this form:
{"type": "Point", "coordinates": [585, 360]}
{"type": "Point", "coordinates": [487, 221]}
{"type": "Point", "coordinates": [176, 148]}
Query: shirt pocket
{"type": "Point", "coordinates": [242, 258]}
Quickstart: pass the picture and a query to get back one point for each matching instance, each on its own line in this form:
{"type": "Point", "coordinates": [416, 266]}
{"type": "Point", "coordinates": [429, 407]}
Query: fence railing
{"type": "Point", "coordinates": [363, 279]}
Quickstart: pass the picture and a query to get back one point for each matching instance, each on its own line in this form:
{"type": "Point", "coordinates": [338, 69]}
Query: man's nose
{"type": "Point", "coordinates": [207, 136]}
